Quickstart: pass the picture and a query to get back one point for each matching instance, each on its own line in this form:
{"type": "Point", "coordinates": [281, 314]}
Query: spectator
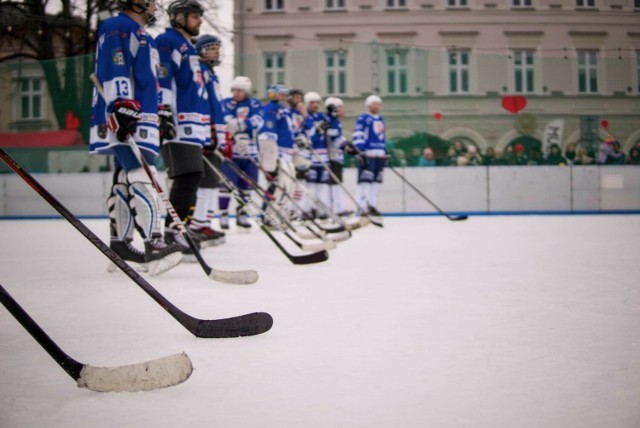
{"type": "Point", "coordinates": [520, 155]}
{"type": "Point", "coordinates": [570, 153]}
{"type": "Point", "coordinates": [427, 158]}
{"type": "Point", "coordinates": [452, 158]}
{"type": "Point", "coordinates": [536, 157]}
{"type": "Point", "coordinates": [555, 157]}
{"type": "Point", "coordinates": [498, 158]}
{"type": "Point", "coordinates": [472, 156]}
{"type": "Point", "coordinates": [582, 157]}
{"type": "Point", "coordinates": [489, 157]}
{"type": "Point", "coordinates": [509, 156]}
{"type": "Point", "coordinates": [459, 148]}
{"type": "Point", "coordinates": [610, 153]}
{"type": "Point", "coordinates": [634, 156]}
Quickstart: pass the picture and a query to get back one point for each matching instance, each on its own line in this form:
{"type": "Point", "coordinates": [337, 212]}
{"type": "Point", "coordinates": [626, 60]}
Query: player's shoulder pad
{"type": "Point", "coordinates": [118, 25]}
{"type": "Point", "coordinates": [255, 103]}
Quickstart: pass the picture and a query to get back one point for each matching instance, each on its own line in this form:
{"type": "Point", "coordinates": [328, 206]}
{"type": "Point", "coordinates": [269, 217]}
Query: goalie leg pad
{"type": "Point", "coordinates": [120, 215]}
{"type": "Point", "coordinates": [147, 212]}
{"type": "Point", "coordinates": [268, 153]}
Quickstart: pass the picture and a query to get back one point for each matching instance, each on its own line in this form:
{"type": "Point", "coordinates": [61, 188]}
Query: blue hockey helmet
{"type": "Point", "coordinates": [203, 43]}
{"type": "Point", "coordinates": [274, 90]}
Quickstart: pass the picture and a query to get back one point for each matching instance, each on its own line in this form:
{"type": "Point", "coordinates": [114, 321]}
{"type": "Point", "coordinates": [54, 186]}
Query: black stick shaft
{"type": "Point", "coordinates": [68, 364]}
{"type": "Point", "coordinates": [403, 178]}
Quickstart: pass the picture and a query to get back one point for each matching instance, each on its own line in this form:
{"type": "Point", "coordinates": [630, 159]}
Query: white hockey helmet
{"type": "Point", "coordinates": [372, 99]}
{"type": "Point", "coordinates": [242, 82]}
{"type": "Point", "coordinates": [310, 97]}
{"type": "Point", "coordinates": [333, 101]}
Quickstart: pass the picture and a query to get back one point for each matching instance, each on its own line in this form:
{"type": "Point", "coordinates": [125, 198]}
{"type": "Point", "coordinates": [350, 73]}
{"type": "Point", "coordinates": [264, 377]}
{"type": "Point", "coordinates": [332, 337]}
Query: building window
{"type": "Point", "coordinates": [30, 98]}
{"type": "Point", "coordinates": [397, 79]}
{"type": "Point", "coordinates": [587, 71]}
{"type": "Point", "coordinates": [457, 3]}
{"type": "Point", "coordinates": [274, 68]}
{"type": "Point", "coordinates": [396, 4]}
{"type": "Point", "coordinates": [273, 5]}
{"type": "Point", "coordinates": [336, 4]}
{"type": "Point", "coordinates": [586, 4]}
{"type": "Point", "coordinates": [523, 69]}
{"type": "Point", "coordinates": [336, 63]}
{"type": "Point", "coordinates": [459, 72]}
{"type": "Point", "coordinates": [636, 4]}
{"type": "Point", "coordinates": [522, 3]}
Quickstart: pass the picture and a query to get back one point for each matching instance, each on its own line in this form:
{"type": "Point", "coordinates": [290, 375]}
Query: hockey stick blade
{"type": "Point", "coordinates": [233, 277]}
{"type": "Point", "coordinates": [457, 217]}
{"type": "Point", "coordinates": [147, 376]}
{"type": "Point", "coordinates": [243, 325]}
{"type": "Point", "coordinates": [326, 245]}
{"type": "Point", "coordinates": [160, 373]}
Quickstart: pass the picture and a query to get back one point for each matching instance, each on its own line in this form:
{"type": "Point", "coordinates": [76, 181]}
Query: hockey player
{"type": "Point", "coordinates": [182, 86]}
{"type": "Point", "coordinates": [315, 128]}
{"type": "Point", "coordinates": [208, 47]}
{"type": "Point", "coordinates": [126, 67]}
{"type": "Point", "coordinates": [301, 156]}
{"type": "Point", "coordinates": [337, 143]}
{"type": "Point", "coordinates": [243, 117]}
{"type": "Point", "coordinates": [276, 139]}
{"type": "Point", "coordinates": [369, 140]}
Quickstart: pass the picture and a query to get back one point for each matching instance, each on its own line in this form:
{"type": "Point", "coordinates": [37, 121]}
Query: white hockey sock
{"type": "Point", "coordinates": [324, 195]}
{"type": "Point", "coordinates": [199, 219]}
{"type": "Point", "coordinates": [338, 200]}
{"type": "Point", "coordinates": [212, 206]}
{"type": "Point", "coordinates": [311, 187]}
{"type": "Point", "coordinates": [362, 195]}
{"type": "Point", "coordinates": [373, 195]}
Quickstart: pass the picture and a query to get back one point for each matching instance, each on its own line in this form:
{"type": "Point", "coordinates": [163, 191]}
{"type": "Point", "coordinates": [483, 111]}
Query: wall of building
{"type": "Point", "coordinates": [478, 190]}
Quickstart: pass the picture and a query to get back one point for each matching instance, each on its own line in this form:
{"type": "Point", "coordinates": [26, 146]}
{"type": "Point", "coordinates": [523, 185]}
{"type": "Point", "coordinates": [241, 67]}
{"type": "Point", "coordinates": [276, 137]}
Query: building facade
{"type": "Point", "coordinates": [444, 66]}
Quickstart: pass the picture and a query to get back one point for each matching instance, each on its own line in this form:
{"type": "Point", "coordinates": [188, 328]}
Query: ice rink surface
{"type": "Point", "coordinates": [492, 322]}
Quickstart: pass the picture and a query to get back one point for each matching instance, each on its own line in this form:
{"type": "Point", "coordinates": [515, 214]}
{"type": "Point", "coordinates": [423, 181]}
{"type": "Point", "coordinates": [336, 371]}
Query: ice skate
{"type": "Point", "coordinates": [128, 253]}
{"type": "Point", "coordinates": [208, 237]}
{"type": "Point", "coordinates": [161, 256]}
{"type": "Point", "coordinates": [224, 221]}
{"type": "Point", "coordinates": [175, 238]}
{"type": "Point", "coordinates": [242, 221]}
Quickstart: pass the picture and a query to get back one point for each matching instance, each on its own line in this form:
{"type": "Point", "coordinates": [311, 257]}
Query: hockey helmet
{"type": "Point", "coordinates": [183, 7]}
{"type": "Point", "coordinates": [372, 99]}
{"type": "Point", "coordinates": [242, 83]}
{"type": "Point", "coordinates": [274, 90]}
{"type": "Point", "coordinates": [203, 43]}
{"type": "Point", "coordinates": [310, 97]}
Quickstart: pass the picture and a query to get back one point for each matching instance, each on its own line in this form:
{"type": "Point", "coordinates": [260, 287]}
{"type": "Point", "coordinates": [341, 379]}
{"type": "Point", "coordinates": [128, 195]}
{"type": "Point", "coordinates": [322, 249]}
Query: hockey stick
{"type": "Point", "coordinates": [449, 216]}
{"type": "Point", "coordinates": [342, 226]}
{"type": "Point", "coordinates": [243, 325]}
{"type": "Point", "coordinates": [268, 199]}
{"type": "Point", "coordinates": [229, 277]}
{"type": "Point", "coordinates": [161, 373]}
{"type": "Point", "coordinates": [364, 220]}
{"type": "Point", "coordinates": [305, 259]}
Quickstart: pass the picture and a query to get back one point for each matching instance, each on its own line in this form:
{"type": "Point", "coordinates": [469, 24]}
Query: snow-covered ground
{"type": "Point", "coordinates": [492, 322]}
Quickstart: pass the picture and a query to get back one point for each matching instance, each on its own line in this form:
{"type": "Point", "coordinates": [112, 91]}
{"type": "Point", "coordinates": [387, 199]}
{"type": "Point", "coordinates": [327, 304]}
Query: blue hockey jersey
{"type": "Point", "coordinates": [182, 86]}
{"type": "Point", "coordinates": [278, 127]}
{"type": "Point", "coordinates": [250, 112]}
{"type": "Point", "coordinates": [369, 135]}
{"type": "Point", "coordinates": [317, 137]}
{"type": "Point", "coordinates": [215, 102]}
{"type": "Point", "coordinates": [336, 140]}
{"type": "Point", "coordinates": [127, 68]}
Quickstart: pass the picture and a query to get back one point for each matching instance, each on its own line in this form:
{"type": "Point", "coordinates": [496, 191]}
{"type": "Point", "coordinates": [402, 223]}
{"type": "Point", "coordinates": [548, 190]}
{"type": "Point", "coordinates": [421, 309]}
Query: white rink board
{"type": "Point", "coordinates": [478, 190]}
{"type": "Point", "coordinates": [491, 322]}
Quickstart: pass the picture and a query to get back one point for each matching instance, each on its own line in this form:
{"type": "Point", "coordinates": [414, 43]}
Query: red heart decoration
{"type": "Point", "coordinates": [437, 116]}
{"type": "Point", "coordinates": [514, 103]}
{"type": "Point", "coordinates": [604, 123]}
{"type": "Point", "coordinates": [71, 121]}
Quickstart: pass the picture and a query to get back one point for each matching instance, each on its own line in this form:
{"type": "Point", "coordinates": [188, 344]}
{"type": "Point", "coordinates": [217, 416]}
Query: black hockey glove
{"type": "Point", "coordinates": [124, 118]}
{"type": "Point", "coordinates": [350, 149]}
{"type": "Point", "coordinates": [166, 124]}
{"type": "Point", "coordinates": [332, 111]}
{"type": "Point", "coordinates": [209, 148]}
{"type": "Point", "coordinates": [324, 125]}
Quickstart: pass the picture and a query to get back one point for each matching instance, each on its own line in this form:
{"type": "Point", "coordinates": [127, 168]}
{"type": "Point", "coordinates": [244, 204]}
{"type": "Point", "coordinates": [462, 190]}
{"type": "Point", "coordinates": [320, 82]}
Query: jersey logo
{"type": "Point", "coordinates": [242, 113]}
{"type": "Point", "coordinates": [378, 127]}
{"type": "Point", "coordinates": [118, 56]}
{"type": "Point", "coordinates": [143, 133]}
{"type": "Point", "coordinates": [187, 130]}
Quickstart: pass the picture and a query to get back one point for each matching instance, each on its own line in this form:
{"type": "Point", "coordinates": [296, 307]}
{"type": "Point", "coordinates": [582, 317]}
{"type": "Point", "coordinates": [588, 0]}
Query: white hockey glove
{"type": "Point", "coordinates": [236, 126]}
